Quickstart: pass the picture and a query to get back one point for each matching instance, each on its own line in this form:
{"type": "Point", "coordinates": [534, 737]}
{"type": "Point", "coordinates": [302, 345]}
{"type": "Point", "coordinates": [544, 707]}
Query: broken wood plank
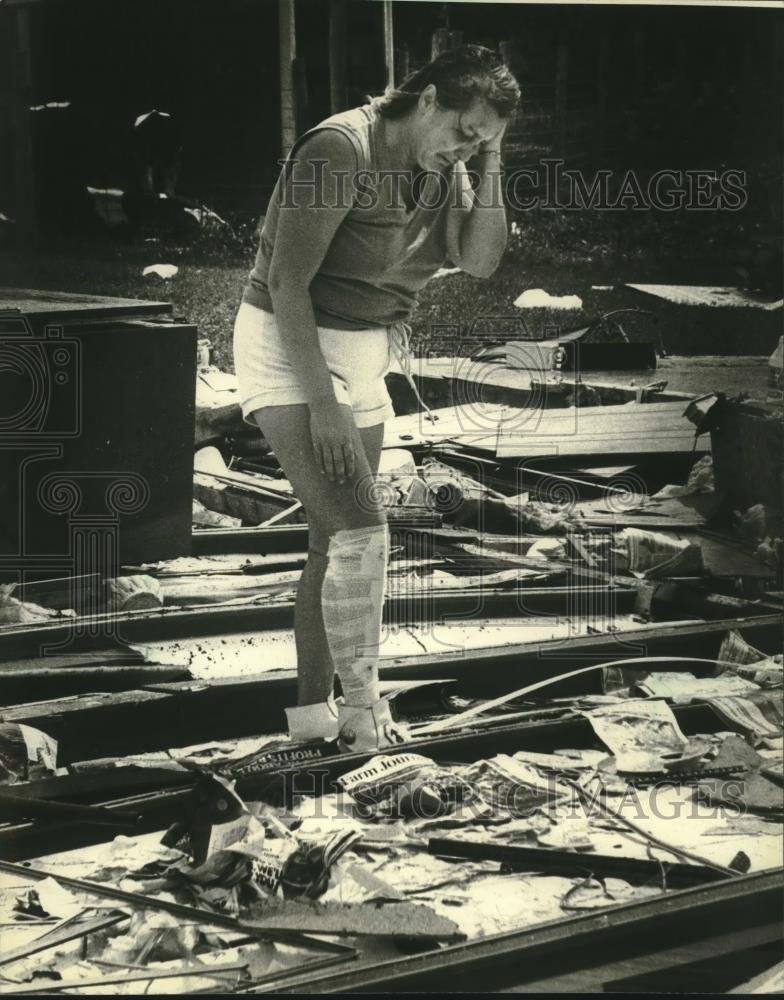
{"type": "Point", "coordinates": [393, 920]}
{"type": "Point", "coordinates": [288, 538]}
{"type": "Point", "coordinates": [582, 863]}
{"type": "Point", "coordinates": [306, 770]}
{"type": "Point", "coordinates": [226, 497]}
{"type": "Point", "coordinates": [633, 428]}
{"type": "Point", "coordinates": [675, 513]}
{"type": "Point", "coordinates": [23, 683]}
{"type": "Point", "coordinates": [139, 976]}
{"type": "Point", "coordinates": [658, 441]}
{"type": "Point", "coordinates": [208, 918]}
{"type": "Point", "coordinates": [710, 295]}
{"type": "Point", "coordinates": [25, 806]}
{"type": "Point", "coordinates": [181, 713]}
{"type": "Point", "coordinates": [277, 612]}
{"type": "Point", "coordinates": [62, 933]}
{"type": "Point", "coordinates": [662, 662]}
{"type": "Point", "coordinates": [468, 422]}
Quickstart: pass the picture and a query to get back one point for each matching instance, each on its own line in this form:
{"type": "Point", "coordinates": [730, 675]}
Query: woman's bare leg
{"type": "Point", "coordinates": [330, 507]}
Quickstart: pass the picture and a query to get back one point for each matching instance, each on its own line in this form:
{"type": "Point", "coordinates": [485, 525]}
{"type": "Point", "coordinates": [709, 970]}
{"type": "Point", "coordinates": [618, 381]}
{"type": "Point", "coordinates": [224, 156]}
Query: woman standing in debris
{"type": "Point", "coordinates": [369, 204]}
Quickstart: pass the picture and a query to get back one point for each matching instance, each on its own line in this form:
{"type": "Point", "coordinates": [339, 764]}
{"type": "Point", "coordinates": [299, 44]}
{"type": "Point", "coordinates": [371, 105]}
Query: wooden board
{"type": "Point", "coordinates": [41, 304]}
{"type": "Point", "coordinates": [188, 712]}
{"type": "Point", "coordinates": [470, 422]}
{"type": "Point", "coordinates": [676, 513]}
{"type": "Point", "coordinates": [632, 428]}
{"type": "Point", "coordinates": [515, 432]}
{"type": "Point", "coordinates": [453, 380]}
{"type": "Point", "coordinates": [709, 295]}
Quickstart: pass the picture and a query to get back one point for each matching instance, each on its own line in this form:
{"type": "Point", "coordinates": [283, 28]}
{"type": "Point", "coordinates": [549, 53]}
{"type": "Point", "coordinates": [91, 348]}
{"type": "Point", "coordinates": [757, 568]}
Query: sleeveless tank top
{"type": "Point", "coordinates": [381, 253]}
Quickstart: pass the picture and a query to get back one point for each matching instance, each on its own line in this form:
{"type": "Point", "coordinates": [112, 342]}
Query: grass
{"type": "Point", "coordinates": [560, 251]}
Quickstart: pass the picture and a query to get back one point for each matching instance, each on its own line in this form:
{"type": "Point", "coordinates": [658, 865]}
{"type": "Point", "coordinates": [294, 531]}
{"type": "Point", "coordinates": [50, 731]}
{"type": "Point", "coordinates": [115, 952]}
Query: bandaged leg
{"type": "Point", "coordinates": [352, 601]}
{"type": "Point", "coordinates": [313, 722]}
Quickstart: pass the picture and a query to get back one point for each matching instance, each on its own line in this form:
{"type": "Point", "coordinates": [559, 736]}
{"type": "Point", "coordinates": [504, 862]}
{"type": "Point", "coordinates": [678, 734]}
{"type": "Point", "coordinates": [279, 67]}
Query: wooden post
{"type": "Point", "coordinates": [561, 85]}
{"type": "Point", "coordinates": [389, 43]}
{"type": "Point", "coordinates": [338, 89]}
{"type": "Point", "coordinates": [288, 51]}
{"type": "Point", "coordinates": [25, 211]}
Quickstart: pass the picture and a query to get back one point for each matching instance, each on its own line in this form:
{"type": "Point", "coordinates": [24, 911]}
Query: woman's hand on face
{"type": "Point", "coordinates": [494, 144]}
{"type": "Point", "coordinates": [333, 433]}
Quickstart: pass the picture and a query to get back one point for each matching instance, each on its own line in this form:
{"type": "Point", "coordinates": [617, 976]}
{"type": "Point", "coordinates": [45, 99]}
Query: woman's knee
{"type": "Point", "coordinates": [333, 517]}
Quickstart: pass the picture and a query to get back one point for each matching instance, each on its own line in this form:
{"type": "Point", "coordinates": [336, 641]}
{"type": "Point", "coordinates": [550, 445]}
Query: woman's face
{"type": "Point", "coordinates": [442, 136]}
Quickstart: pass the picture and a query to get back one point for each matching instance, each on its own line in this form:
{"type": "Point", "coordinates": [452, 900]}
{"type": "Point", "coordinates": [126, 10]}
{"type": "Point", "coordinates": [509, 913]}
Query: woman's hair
{"type": "Point", "coordinates": [460, 76]}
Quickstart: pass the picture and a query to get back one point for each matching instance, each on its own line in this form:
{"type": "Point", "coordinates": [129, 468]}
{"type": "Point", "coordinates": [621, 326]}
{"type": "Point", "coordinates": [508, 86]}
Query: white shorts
{"type": "Point", "coordinates": [358, 360]}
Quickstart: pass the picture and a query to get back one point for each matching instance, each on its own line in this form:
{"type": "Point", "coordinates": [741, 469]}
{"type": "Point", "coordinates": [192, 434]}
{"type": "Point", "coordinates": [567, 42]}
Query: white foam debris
{"type": "Point", "coordinates": [538, 298]}
{"type": "Point", "coordinates": [164, 271]}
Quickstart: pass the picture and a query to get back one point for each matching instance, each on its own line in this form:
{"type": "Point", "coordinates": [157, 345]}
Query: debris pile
{"type": "Point", "coordinates": [581, 633]}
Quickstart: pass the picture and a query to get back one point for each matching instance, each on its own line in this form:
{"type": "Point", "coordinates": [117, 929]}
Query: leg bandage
{"type": "Point", "coordinates": [352, 602]}
{"type": "Point", "coordinates": [313, 722]}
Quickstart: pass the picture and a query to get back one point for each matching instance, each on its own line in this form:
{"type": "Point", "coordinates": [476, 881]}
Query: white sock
{"type": "Point", "coordinates": [352, 602]}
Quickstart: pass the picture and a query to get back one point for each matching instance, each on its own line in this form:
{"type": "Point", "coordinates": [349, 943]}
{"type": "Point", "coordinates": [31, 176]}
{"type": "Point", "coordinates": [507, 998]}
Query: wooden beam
{"type": "Point", "coordinates": [287, 47]}
{"type": "Point", "coordinates": [179, 713]}
{"type": "Point", "coordinates": [389, 42]}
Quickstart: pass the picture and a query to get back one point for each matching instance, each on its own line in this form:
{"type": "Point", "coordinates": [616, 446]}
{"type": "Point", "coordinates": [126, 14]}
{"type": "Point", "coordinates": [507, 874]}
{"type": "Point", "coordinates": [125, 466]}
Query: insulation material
{"type": "Point", "coordinates": [638, 733]}
{"type": "Point", "coordinates": [682, 688]}
{"type": "Point", "coordinates": [656, 555]}
{"type": "Point", "coordinates": [25, 753]}
{"type": "Point", "coordinates": [538, 298]}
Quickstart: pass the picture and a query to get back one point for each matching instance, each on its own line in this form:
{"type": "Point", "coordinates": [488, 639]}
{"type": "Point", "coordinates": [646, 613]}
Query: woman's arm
{"type": "Point", "coordinates": [476, 226]}
{"type": "Point", "coordinates": [312, 207]}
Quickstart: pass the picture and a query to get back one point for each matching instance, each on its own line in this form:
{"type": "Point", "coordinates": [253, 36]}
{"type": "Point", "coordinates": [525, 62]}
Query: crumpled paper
{"type": "Point", "coordinates": [643, 735]}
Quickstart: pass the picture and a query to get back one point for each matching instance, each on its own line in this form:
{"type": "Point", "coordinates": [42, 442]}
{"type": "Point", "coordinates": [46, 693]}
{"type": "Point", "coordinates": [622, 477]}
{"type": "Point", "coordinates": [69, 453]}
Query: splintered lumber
{"type": "Point", "coordinates": [273, 540]}
{"type": "Point", "coordinates": [273, 774]}
{"type": "Point", "coordinates": [212, 588]}
{"type": "Point", "coordinates": [250, 503]}
{"type": "Point", "coordinates": [652, 514]}
{"type": "Point", "coordinates": [22, 680]}
{"type": "Point", "coordinates": [468, 423]}
{"type": "Point", "coordinates": [134, 593]}
{"type": "Point", "coordinates": [662, 662]}
{"type": "Point", "coordinates": [290, 538]}
{"type": "Point", "coordinates": [62, 934]}
{"type": "Point", "coordinates": [116, 657]}
{"type": "Point", "coordinates": [677, 941]}
{"type": "Point", "coordinates": [547, 859]}
{"type": "Point", "coordinates": [632, 428]}
{"type": "Point", "coordinates": [207, 918]}
{"type": "Point", "coordinates": [388, 920]}
{"type": "Point", "coordinates": [137, 976]}
{"type": "Point", "coordinates": [709, 295]}
{"type": "Point", "coordinates": [180, 713]}
{"type": "Point", "coordinates": [278, 612]}
{"type": "Point", "coordinates": [13, 806]}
